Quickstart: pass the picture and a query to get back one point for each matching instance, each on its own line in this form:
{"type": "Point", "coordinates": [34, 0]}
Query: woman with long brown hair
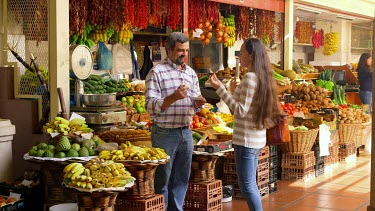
{"type": "Point", "coordinates": [255, 106]}
{"type": "Point", "coordinates": [365, 79]}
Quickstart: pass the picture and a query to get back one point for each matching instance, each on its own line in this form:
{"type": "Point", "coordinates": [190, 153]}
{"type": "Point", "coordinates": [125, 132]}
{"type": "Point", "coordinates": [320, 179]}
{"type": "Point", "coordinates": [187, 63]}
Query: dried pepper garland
{"type": "Point", "coordinates": [264, 25]}
{"type": "Point", "coordinates": [304, 31]}
{"type": "Point", "coordinates": [173, 19]}
{"type": "Point", "coordinates": [155, 17]}
{"type": "Point", "coordinates": [194, 14]}
{"type": "Point", "coordinates": [213, 14]}
{"type": "Point", "coordinates": [130, 12]}
{"type": "Point", "coordinates": [78, 16]}
{"type": "Point", "coordinates": [243, 22]}
{"type": "Point", "coordinates": [142, 13]}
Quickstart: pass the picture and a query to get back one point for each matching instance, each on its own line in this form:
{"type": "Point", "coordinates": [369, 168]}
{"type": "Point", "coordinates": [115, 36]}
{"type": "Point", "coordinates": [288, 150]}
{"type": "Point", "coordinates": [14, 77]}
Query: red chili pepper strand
{"type": "Point", "coordinates": [155, 16]}
{"type": "Point", "coordinates": [130, 12]}
{"type": "Point", "coordinates": [174, 14]}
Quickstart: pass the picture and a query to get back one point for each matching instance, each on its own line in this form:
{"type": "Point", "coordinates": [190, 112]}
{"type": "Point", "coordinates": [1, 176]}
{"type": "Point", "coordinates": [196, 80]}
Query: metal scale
{"type": "Point", "coordinates": [99, 118]}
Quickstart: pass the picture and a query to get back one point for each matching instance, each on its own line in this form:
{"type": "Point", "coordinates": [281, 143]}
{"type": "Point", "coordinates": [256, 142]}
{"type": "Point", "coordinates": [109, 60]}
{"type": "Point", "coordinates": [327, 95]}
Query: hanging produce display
{"type": "Point", "coordinates": [264, 25]}
{"type": "Point", "coordinates": [318, 38]}
{"type": "Point", "coordinates": [304, 31]}
{"type": "Point", "coordinates": [331, 43]}
{"type": "Point", "coordinates": [243, 24]}
{"type": "Point", "coordinates": [229, 36]}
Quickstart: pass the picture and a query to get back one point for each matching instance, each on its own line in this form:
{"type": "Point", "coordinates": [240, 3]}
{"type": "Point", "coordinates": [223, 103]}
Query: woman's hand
{"type": "Point", "coordinates": [233, 84]}
{"type": "Point", "coordinates": [214, 81]}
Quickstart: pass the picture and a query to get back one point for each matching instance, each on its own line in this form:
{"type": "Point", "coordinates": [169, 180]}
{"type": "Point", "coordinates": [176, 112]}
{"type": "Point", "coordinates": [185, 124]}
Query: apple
{"type": "Point", "coordinates": [123, 99]}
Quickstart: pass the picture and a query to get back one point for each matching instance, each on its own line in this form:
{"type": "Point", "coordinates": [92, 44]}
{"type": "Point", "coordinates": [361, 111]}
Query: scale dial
{"type": "Point", "coordinates": [81, 61]}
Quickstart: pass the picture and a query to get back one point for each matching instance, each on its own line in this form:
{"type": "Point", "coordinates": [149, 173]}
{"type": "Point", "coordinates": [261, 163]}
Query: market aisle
{"type": "Point", "coordinates": [346, 186]}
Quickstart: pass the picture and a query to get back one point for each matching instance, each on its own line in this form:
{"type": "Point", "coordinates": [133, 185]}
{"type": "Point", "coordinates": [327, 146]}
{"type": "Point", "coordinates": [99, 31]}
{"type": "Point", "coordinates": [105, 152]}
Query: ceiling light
{"type": "Point", "coordinates": [345, 18]}
{"type": "Point", "coordinates": [309, 10]}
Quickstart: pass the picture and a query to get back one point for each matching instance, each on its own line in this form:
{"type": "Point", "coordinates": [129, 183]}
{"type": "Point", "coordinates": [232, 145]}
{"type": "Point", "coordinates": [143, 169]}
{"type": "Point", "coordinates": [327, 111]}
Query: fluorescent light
{"type": "Point", "coordinates": [345, 18]}
{"type": "Point", "coordinates": [309, 10]}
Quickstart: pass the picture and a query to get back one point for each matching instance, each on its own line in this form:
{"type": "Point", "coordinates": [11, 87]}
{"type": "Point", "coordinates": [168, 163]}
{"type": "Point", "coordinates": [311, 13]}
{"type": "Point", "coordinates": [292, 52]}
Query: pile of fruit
{"type": "Point", "coordinates": [129, 151]}
{"type": "Point", "coordinates": [97, 173]}
{"type": "Point", "coordinates": [230, 29]}
{"type": "Point", "coordinates": [4, 200]}
{"type": "Point", "coordinates": [95, 84]}
{"type": "Point", "coordinates": [134, 102]}
{"type": "Point", "coordinates": [66, 127]}
{"type": "Point", "coordinates": [66, 147]}
{"type": "Point", "coordinates": [204, 117]}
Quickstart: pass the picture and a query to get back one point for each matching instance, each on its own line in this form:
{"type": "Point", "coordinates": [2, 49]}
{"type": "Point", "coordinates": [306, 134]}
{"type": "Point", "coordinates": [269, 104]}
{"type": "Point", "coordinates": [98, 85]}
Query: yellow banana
{"type": "Point", "coordinates": [69, 167]}
{"type": "Point", "coordinates": [77, 167]}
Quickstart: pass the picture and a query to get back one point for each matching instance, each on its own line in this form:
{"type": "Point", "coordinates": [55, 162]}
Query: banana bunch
{"type": "Point", "coordinates": [230, 28]}
{"type": "Point", "coordinates": [83, 38]}
{"type": "Point", "coordinates": [66, 127]}
{"type": "Point", "coordinates": [131, 152]}
{"type": "Point", "coordinates": [230, 42]}
{"type": "Point", "coordinates": [124, 36]}
{"type": "Point", "coordinates": [99, 34]}
{"type": "Point", "coordinates": [331, 43]}
{"type": "Point", "coordinates": [97, 173]}
{"type": "Point", "coordinates": [229, 21]}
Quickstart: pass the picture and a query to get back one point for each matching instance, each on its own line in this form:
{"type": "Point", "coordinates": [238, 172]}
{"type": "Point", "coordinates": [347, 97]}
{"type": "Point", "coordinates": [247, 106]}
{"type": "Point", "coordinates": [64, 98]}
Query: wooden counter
{"type": "Point", "coordinates": [353, 98]}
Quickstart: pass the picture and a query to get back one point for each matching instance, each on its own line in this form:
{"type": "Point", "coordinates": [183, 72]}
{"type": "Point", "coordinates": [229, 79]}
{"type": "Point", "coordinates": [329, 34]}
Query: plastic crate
{"type": "Point", "coordinates": [229, 168]}
{"type": "Point", "coordinates": [229, 160]}
{"type": "Point", "coordinates": [273, 175]}
{"type": "Point", "coordinates": [319, 169]}
{"type": "Point", "coordinates": [298, 174]}
{"type": "Point", "coordinates": [346, 150]}
{"type": "Point", "coordinates": [272, 160]}
{"type": "Point", "coordinates": [209, 206]}
{"type": "Point", "coordinates": [263, 178]}
{"type": "Point", "coordinates": [273, 150]}
{"type": "Point", "coordinates": [263, 167]}
{"type": "Point", "coordinates": [237, 193]}
{"type": "Point", "coordinates": [264, 153]}
{"type": "Point", "coordinates": [229, 154]}
{"type": "Point", "coordinates": [272, 187]}
{"type": "Point", "coordinates": [156, 203]}
{"type": "Point", "coordinates": [204, 191]}
{"type": "Point", "coordinates": [263, 190]}
{"type": "Point", "coordinates": [298, 160]}
{"type": "Point", "coordinates": [230, 179]}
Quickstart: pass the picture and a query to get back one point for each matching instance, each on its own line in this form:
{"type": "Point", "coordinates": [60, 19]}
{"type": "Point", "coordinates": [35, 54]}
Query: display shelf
{"type": "Point", "coordinates": [150, 33]}
{"type": "Point", "coordinates": [303, 44]}
{"type": "Point", "coordinates": [357, 48]}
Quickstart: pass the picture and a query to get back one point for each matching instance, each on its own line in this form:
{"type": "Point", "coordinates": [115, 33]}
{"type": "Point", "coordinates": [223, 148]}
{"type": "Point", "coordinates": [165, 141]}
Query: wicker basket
{"type": "Point", "coordinates": [349, 133]}
{"type": "Point", "coordinates": [203, 168]}
{"type": "Point", "coordinates": [300, 141]}
{"type": "Point", "coordinates": [53, 189]}
{"type": "Point", "coordinates": [144, 179]}
{"type": "Point", "coordinates": [103, 201]}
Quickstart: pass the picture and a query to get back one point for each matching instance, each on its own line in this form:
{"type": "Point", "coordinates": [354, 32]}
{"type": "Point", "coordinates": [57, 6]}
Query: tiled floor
{"type": "Point", "coordinates": [346, 186]}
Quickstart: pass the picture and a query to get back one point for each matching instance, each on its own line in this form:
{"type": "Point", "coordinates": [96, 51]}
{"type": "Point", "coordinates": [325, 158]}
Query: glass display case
{"type": "Point", "coordinates": [203, 58]}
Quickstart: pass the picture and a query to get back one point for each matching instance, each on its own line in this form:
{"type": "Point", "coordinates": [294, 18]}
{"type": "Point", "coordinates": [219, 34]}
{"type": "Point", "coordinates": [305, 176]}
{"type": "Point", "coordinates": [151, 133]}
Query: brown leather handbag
{"type": "Point", "coordinates": [279, 134]}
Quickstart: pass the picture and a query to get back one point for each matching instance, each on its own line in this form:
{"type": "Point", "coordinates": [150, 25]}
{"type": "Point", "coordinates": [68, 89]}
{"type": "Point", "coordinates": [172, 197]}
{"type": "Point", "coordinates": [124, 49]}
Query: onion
{"type": "Point", "coordinates": [219, 34]}
{"type": "Point", "coordinates": [219, 39]}
{"type": "Point", "coordinates": [202, 37]}
{"type": "Point", "coordinates": [225, 39]}
{"type": "Point", "coordinates": [219, 25]}
{"type": "Point", "coordinates": [208, 35]}
{"type": "Point", "coordinates": [206, 41]}
{"type": "Point", "coordinates": [200, 25]}
{"type": "Point", "coordinates": [225, 35]}
{"type": "Point", "coordinates": [209, 28]}
{"type": "Point", "coordinates": [207, 23]}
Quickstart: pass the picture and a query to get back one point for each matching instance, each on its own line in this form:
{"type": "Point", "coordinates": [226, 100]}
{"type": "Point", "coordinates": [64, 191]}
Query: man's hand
{"type": "Point", "coordinates": [181, 92]}
{"type": "Point", "coordinates": [200, 101]}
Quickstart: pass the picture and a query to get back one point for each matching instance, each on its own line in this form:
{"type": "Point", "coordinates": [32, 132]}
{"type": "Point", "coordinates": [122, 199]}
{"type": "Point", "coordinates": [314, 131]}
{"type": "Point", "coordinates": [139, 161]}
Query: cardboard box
{"type": "Point", "coordinates": [7, 82]}
{"type": "Point", "coordinates": [214, 145]}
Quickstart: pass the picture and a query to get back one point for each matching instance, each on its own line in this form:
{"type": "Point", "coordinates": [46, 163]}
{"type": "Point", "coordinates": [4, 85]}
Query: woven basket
{"type": "Point", "coordinates": [203, 168]}
{"type": "Point", "coordinates": [300, 141]}
{"type": "Point", "coordinates": [52, 177]}
{"type": "Point", "coordinates": [144, 179]}
{"type": "Point", "coordinates": [349, 133]}
{"type": "Point", "coordinates": [103, 201]}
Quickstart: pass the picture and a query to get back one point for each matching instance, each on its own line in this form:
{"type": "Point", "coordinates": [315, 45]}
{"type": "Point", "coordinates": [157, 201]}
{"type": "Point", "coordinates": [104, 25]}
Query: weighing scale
{"type": "Point", "coordinates": [81, 62]}
{"type": "Point", "coordinates": [98, 118]}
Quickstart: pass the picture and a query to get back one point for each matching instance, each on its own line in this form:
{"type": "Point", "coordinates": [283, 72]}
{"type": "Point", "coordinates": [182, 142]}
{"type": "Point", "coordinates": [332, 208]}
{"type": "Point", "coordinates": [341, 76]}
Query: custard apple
{"type": "Point", "coordinates": [92, 152]}
{"type": "Point", "coordinates": [42, 146]}
{"type": "Point", "coordinates": [88, 144]}
{"type": "Point", "coordinates": [40, 153]}
{"type": "Point", "coordinates": [76, 147]}
{"type": "Point", "coordinates": [60, 155]}
{"type": "Point", "coordinates": [63, 144]}
{"type": "Point", "coordinates": [83, 152]}
{"type": "Point", "coordinates": [72, 153]}
{"type": "Point", "coordinates": [50, 147]}
{"type": "Point", "coordinates": [33, 152]}
{"type": "Point", "coordinates": [49, 153]}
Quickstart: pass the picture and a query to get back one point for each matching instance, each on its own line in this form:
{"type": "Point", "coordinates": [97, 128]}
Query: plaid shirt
{"type": "Point", "coordinates": [163, 80]}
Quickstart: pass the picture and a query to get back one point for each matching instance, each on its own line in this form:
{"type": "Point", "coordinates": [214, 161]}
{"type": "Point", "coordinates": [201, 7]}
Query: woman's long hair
{"type": "Point", "coordinates": [363, 61]}
{"type": "Point", "coordinates": [266, 105]}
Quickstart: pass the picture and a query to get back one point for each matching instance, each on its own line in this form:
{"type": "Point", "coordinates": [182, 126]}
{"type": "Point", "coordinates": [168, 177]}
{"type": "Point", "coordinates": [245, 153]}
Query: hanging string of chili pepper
{"type": "Point", "coordinates": [129, 12]}
{"type": "Point", "coordinates": [194, 14]}
{"type": "Point", "coordinates": [155, 16]}
{"type": "Point", "coordinates": [173, 19]}
{"type": "Point", "coordinates": [242, 22]}
{"type": "Point", "coordinates": [213, 14]}
{"type": "Point", "coordinates": [252, 21]}
{"type": "Point", "coordinates": [78, 16]}
{"type": "Point", "coordinates": [142, 12]}
{"type": "Point", "coordinates": [279, 30]}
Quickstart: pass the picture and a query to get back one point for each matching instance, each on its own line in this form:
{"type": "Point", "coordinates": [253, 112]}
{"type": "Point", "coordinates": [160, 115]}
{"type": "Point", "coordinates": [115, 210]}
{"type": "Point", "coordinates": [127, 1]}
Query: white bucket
{"type": "Point", "coordinates": [64, 207]}
{"type": "Point", "coordinates": [7, 130]}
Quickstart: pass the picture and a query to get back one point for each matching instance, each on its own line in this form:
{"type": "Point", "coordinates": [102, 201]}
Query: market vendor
{"type": "Point", "coordinates": [170, 88]}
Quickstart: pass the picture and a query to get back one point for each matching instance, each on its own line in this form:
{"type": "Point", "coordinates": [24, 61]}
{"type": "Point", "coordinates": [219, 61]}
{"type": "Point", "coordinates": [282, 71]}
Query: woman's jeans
{"type": "Point", "coordinates": [171, 179]}
{"type": "Point", "coordinates": [246, 167]}
{"type": "Point", "coordinates": [366, 98]}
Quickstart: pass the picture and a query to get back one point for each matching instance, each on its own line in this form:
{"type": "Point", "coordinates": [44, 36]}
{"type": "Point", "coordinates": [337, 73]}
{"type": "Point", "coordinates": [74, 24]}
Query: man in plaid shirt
{"type": "Point", "coordinates": [170, 88]}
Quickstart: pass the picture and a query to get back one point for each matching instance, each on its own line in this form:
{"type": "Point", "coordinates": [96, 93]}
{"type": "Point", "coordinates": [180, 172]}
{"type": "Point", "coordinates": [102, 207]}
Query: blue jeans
{"type": "Point", "coordinates": [366, 98]}
{"type": "Point", "coordinates": [172, 178]}
{"type": "Point", "coordinates": [246, 166]}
